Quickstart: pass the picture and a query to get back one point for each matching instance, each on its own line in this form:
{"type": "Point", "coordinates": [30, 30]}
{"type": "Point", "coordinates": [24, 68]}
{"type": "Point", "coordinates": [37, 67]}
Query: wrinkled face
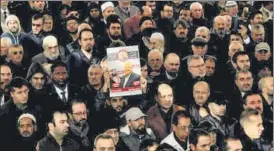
{"type": "Point", "coordinates": [26, 127]}
{"type": "Point", "coordinates": [254, 102]}
{"type": "Point", "coordinates": [104, 145]}
{"type": "Point", "coordinates": [210, 67]}
{"type": "Point", "coordinates": [87, 41]}
{"type": "Point", "coordinates": [234, 48]}
{"type": "Point", "coordinates": [4, 47]}
{"type": "Point", "coordinates": [185, 15]}
{"type": "Point", "coordinates": [220, 25]}
{"type": "Point", "coordinates": [228, 21]}
{"type": "Point", "coordinates": [48, 25]}
{"type": "Point", "coordinates": [79, 112]}
{"type": "Point", "coordinates": [108, 11]}
{"type": "Point", "coordinates": [258, 36]}
{"type": "Point", "coordinates": [39, 5]}
{"type": "Point", "coordinates": [197, 68]}
{"type": "Point", "coordinates": [182, 130]}
{"type": "Point", "coordinates": [138, 125]}
{"type": "Point", "coordinates": [172, 64]}
{"type": "Point", "coordinates": [115, 29]}
{"type": "Point", "coordinates": [235, 38]}
{"type": "Point", "coordinates": [155, 43]}
{"type": "Point", "coordinates": [243, 62]}
{"type": "Point", "coordinates": [127, 68]}
{"type": "Point", "coordinates": [146, 24]}
{"type": "Point", "coordinates": [196, 11]}
{"type": "Point", "coordinates": [94, 13]}
{"type": "Point", "coordinates": [203, 144]}
{"type": "Point", "coordinates": [37, 26]}
{"type": "Point", "coordinates": [155, 61]}
{"type": "Point", "coordinates": [72, 26]}
{"type": "Point", "coordinates": [167, 12]}
{"type": "Point", "coordinates": [13, 26]}
{"type": "Point", "coordinates": [218, 109]}
{"type": "Point", "coordinates": [199, 50]}
{"type": "Point", "coordinates": [61, 126]}
{"type": "Point", "coordinates": [20, 95]}
{"type": "Point", "coordinates": [52, 50]}
{"type": "Point", "coordinates": [262, 55]}
{"type": "Point", "coordinates": [165, 98]}
{"type": "Point", "coordinates": [60, 75]}
{"type": "Point", "coordinates": [95, 76]}
{"type": "Point", "coordinates": [258, 19]}
{"type": "Point", "coordinates": [144, 71]}
{"type": "Point", "coordinates": [16, 55]}
{"type": "Point", "coordinates": [114, 133]}
{"type": "Point", "coordinates": [244, 82]}
{"type": "Point", "coordinates": [37, 81]}
{"type": "Point", "coordinates": [253, 127]}
{"type": "Point", "coordinates": [5, 76]}
{"type": "Point", "coordinates": [234, 145]}
{"type": "Point", "coordinates": [117, 103]}
{"type": "Point", "coordinates": [201, 93]}
{"type": "Point", "coordinates": [180, 31]}
{"type": "Point", "coordinates": [202, 34]}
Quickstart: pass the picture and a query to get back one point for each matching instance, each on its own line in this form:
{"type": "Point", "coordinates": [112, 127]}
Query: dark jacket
{"type": "Point", "coordinates": [18, 70]}
{"type": "Point", "coordinates": [130, 83]}
{"type": "Point", "coordinates": [254, 145]}
{"type": "Point", "coordinates": [48, 143]}
{"type": "Point", "coordinates": [193, 111]}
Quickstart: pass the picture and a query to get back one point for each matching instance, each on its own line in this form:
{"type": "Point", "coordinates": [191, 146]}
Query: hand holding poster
{"type": "Point", "coordinates": [125, 71]}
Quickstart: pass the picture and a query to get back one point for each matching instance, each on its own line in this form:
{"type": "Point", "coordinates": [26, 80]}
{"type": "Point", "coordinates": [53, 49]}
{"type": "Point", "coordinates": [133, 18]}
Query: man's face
{"type": "Point", "coordinates": [48, 25]}
{"type": "Point", "coordinates": [60, 75]}
{"type": "Point", "coordinates": [197, 68]}
{"type": "Point", "coordinates": [95, 76]}
{"type": "Point", "coordinates": [127, 68]}
{"type": "Point", "coordinates": [39, 5]}
{"type": "Point", "coordinates": [146, 24]}
{"type": "Point", "coordinates": [234, 145]}
{"type": "Point", "coordinates": [155, 43]}
{"type": "Point", "coordinates": [26, 127]}
{"type": "Point", "coordinates": [117, 103]}
{"type": "Point", "coordinates": [203, 144]}
{"type": "Point", "coordinates": [144, 71]}
{"type": "Point", "coordinates": [165, 98]}
{"type": "Point", "coordinates": [234, 47]}
{"type": "Point", "coordinates": [218, 109]}
{"type": "Point", "coordinates": [108, 11]}
{"type": "Point", "coordinates": [244, 82]}
{"type": "Point", "coordinates": [228, 21]}
{"type": "Point", "coordinates": [104, 145]}
{"type": "Point", "coordinates": [200, 94]}
{"type": "Point", "coordinates": [254, 126]}
{"type": "Point", "coordinates": [172, 64]}
{"type": "Point", "coordinates": [20, 95]}
{"type": "Point", "coordinates": [257, 36]}
{"type": "Point", "coordinates": [13, 26]}
{"type": "Point", "coordinates": [182, 130]}
{"type": "Point", "coordinates": [94, 13]}
{"type": "Point", "coordinates": [79, 112]}
{"type": "Point", "coordinates": [235, 38]}
{"type": "Point", "coordinates": [210, 67]}
{"type": "Point", "coordinates": [155, 61]}
{"type": "Point", "coordinates": [37, 81]}
{"type": "Point", "coordinates": [4, 47]}
{"type": "Point", "coordinates": [114, 133]}
{"type": "Point", "coordinates": [167, 12]}
{"type": "Point", "coordinates": [61, 126]}
{"type": "Point", "coordinates": [37, 26]}
{"type": "Point", "coordinates": [87, 41]}
{"type": "Point", "coordinates": [269, 86]}
{"type": "Point", "coordinates": [220, 26]}
{"type": "Point", "coordinates": [138, 125]}
{"type": "Point", "coordinates": [181, 31]}
{"type": "Point", "coordinates": [196, 11]}
{"type": "Point", "coordinates": [16, 55]}
{"type": "Point", "coordinates": [199, 50]}
{"type": "Point", "coordinates": [72, 26]}
{"type": "Point", "coordinates": [152, 5]}
{"type": "Point", "coordinates": [115, 30]}
{"type": "Point", "coordinates": [52, 50]}
{"type": "Point", "coordinates": [203, 34]}
{"type": "Point", "coordinates": [258, 19]}
{"type": "Point", "coordinates": [243, 62]}
{"type": "Point", "coordinates": [185, 15]}
{"type": "Point", "coordinates": [5, 76]}
{"type": "Point", "coordinates": [262, 55]}
{"type": "Point", "coordinates": [254, 102]}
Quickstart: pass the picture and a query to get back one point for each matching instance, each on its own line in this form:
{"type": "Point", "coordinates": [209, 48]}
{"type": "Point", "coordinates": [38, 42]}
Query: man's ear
{"type": "Point", "coordinates": [244, 106]}
{"type": "Point", "coordinates": [173, 127]}
{"type": "Point", "coordinates": [192, 147]}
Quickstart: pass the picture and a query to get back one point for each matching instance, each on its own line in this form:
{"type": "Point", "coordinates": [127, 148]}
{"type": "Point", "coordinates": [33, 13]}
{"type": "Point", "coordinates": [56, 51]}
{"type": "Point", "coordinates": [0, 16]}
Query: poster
{"type": "Point", "coordinates": [124, 70]}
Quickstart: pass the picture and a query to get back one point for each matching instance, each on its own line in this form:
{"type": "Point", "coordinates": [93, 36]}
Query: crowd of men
{"type": "Point", "coordinates": [206, 76]}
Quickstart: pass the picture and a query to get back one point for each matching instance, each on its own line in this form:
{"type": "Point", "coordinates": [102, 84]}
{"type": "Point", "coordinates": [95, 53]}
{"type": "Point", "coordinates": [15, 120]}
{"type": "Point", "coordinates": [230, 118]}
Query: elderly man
{"type": "Point", "coordinates": [130, 79]}
{"type": "Point", "coordinates": [155, 62]}
{"type": "Point", "coordinates": [107, 9]}
{"type": "Point", "coordinates": [160, 115]}
{"type": "Point", "coordinates": [157, 41]}
{"type": "Point", "coordinates": [263, 52]}
{"type": "Point", "coordinates": [125, 10]}
{"type": "Point", "coordinates": [196, 11]}
{"type": "Point", "coordinates": [5, 44]}
{"type": "Point", "coordinates": [135, 131]}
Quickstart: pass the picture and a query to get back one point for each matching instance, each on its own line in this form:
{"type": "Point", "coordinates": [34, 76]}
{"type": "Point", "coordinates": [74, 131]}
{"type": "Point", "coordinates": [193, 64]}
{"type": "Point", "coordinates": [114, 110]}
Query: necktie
{"type": "Point", "coordinates": [64, 96]}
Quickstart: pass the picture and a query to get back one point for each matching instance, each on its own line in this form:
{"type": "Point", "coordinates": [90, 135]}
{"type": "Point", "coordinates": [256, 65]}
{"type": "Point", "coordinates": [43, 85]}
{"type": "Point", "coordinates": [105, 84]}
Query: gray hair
{"type": "Point", "coordinates": [242, 71]}
{"type": "Point", "coordinates": [193, 57]}
{"type": "Point", "coordinates": [195, 3]}
{"type": "Point", "coordinates": [49, 39]}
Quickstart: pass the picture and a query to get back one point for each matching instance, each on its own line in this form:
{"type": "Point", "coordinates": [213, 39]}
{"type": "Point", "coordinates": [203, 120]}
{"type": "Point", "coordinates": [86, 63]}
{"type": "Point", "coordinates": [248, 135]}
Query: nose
{"type": "Point", "coordinates": [24, 128]}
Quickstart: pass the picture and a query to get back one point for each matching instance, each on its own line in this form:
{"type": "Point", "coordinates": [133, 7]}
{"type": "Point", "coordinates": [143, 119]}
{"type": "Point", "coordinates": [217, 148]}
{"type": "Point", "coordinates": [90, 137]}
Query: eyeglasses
{"type": "Point", "coordinates": [17, 52]}
{"type": "Point", "coordinates": [198, 66]}
{"type": "Point", "coordinates": [81, 113]}
{"type": "Point", "coordinates": [37, 25]}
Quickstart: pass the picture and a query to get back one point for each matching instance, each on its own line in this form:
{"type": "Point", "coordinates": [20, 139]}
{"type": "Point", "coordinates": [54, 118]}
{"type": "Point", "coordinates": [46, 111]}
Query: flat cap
{"type": "Point", "coordinates": [198, 41]}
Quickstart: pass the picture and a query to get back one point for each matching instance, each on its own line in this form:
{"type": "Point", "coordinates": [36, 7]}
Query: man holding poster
{"type": "Point", "coordinates": [130, 79]}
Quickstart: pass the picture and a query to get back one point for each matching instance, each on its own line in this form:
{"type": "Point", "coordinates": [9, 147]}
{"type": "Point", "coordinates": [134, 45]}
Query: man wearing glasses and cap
{"type": "Point", "coordinates": [135, 131]}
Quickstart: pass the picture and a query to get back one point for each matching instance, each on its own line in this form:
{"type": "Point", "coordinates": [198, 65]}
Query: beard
{"type": "Point", "coordinates": [115, 37]}
{"type": "Point", "coordinates": [141, 130]}
{"type": "Point", "coordinates": [72, 32]}
{"type": "Point", "coordinates": [61, 84]}
{"type": "Point", "coordinates": [51, 56]}
{"type": "Point", "coordinates": [220, 33]}
{"type": "Point", "coordinates": [26, 134]}
{"type": "Point", "coordinates": [173, 74]}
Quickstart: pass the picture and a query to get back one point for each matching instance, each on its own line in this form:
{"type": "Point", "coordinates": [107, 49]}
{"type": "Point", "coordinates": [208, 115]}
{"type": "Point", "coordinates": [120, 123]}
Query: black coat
{"type": "Point", "coordinates": [254, 145]}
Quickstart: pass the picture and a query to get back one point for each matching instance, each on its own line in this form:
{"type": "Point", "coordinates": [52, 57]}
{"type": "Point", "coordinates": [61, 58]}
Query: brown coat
{"type": "Point", "coordinates": [157, 123]}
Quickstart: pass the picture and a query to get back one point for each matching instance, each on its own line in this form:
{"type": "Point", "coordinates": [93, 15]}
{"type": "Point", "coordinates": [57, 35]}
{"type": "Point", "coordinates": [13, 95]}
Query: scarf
{"type": "Point", "coordinates": [80, 132]}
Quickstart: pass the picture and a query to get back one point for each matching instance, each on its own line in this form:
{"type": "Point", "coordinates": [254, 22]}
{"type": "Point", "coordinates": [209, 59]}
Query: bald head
{"type": "Point", "coordinates": [201, 92]}
{"type": "Point", "coordinates": [155, 60]}
{"type": "Point", "coordinates": [266, 86]}
{"type": "Point", "coordinates": [146, 11]}
{"type": "Point", "coordinates": [172, 64]}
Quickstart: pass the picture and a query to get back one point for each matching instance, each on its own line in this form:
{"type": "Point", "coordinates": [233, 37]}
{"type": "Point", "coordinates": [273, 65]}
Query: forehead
{"type": "Point", "coordinates": [116, 98]}
{"type": "Point", "coordinates": [96, 69]}
{"type": "Point", "coordinates": [244, 75]}
{"type": "Point", "coordinates": [182, 121]}
{"type": "Point", "coordinates": [79, 106]}
{"type": "Point", "coordinates": [168, 7]}
{"type": "Point", "coordinates": [172, 59]}
{"type": "Point", "coordinates": [109, 9]}
{"type": "Point", "coordinates": [71, 21]}
{"type": "Point", "coordinates": [255, 119]}
{"type": "Point", "coordinates": [196, 61]}
{"type": "Point", "coordinates": [203, 140]}
{"type": "Point", "coordinates": [155, 55]}
{"type": "Point", "coordinates": [19, 89]}
{"type": "Point", "coordinates": [87, 34]}
{"type": "Point", "coordinates": [115, 25]}
{"type": "Point", "coordinates": [59, 69]}
{"type": "Point", "coordinates": [242, 57]}
{"type": "Point", "coordinates": [38, 20]}
{"type": "Point", "coordinates": [254, 97]}
{"type": "Point", "coordinates": [25, 120]}
{"type": "Point", "coordinates": [105, 143]}
{"type": "Point", "coordinates": [5, 69]}
{"type": "Point", "coordinates": [60, 116]}
{"type": "Point", "coordinates": [12, 21]}
{"type": "Point", "coordinates": [38, 75]}
{"type": "Point", "coordinates": [164, 90]}
{"type": "Point", "coordinates": [201, 86]}
{"type": "Point", "coordinates": [209, 62]}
